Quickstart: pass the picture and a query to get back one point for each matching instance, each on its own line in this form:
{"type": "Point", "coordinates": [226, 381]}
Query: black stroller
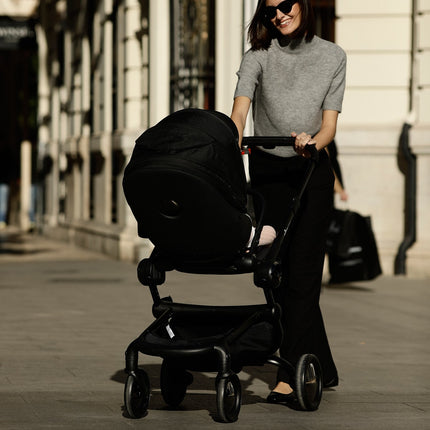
{"type": "Point", "coordinates": [186, 186]}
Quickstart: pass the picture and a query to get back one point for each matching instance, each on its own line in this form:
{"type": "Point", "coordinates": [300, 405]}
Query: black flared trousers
{"type": "Point", "coordinates": [278, 180]}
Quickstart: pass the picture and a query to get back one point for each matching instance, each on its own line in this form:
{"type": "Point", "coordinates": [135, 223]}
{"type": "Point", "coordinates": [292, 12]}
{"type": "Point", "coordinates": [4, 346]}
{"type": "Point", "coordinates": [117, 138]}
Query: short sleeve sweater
{"type": "Point", "coordinates": [290, 87]}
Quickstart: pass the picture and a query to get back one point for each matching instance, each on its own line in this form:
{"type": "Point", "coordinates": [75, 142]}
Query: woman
{"type": "Point", "coordinates": [295, 82]}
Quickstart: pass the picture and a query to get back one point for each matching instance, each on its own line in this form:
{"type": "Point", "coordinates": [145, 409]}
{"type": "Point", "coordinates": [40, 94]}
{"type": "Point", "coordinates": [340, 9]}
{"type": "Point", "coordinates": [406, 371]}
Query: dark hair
{"type": "Point", "coordinates": [261, 31]}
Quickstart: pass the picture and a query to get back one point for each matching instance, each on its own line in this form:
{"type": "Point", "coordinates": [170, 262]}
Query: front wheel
{"type": "Point", "coordinates": [309, 382]}
{"type": "Point", "coordinates": [137, 393]}
{"type": "Point", "coordinates": [229, 398]}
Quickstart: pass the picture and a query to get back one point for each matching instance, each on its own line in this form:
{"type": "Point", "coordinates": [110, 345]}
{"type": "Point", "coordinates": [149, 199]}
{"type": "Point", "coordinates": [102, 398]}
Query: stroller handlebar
{"type": "Point", "coordinates": [268, 142]}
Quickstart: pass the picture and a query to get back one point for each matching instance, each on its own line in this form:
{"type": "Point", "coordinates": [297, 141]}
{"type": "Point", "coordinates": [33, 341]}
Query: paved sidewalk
{"type": "Point", "coordinates": [67, 316]}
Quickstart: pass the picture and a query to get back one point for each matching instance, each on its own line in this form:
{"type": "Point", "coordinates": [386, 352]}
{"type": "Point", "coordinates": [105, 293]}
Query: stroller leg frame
{"type": "Point", "coordinates": [132, 357]}
{"type": "Point", "coordinates": [224, 362]}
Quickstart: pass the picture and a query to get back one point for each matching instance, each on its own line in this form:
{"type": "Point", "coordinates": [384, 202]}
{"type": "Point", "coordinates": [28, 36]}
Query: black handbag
{"type": "Point", "coordinates": [351, 247]}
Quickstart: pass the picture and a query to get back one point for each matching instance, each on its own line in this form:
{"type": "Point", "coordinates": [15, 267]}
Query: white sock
{"type": "Point", "coordinates": [267, 235]}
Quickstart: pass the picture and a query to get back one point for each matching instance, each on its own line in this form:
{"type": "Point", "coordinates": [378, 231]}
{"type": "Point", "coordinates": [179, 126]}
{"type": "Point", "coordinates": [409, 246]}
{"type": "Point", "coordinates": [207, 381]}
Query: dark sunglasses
{"type": "Point", "coordinates": [285, 7]}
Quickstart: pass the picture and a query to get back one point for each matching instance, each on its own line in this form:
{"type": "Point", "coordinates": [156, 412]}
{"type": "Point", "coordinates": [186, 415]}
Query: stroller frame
{"type": "Point", "coordinates": [174, 377]}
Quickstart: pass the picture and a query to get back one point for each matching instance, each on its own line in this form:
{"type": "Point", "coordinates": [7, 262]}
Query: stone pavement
{"type": "Point", "coordinates": [67, 316]}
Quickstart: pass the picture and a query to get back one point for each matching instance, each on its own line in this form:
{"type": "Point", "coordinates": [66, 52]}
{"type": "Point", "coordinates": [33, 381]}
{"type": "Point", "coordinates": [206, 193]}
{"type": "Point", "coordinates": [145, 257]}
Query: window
{"type": "Point", "coordinates": [192, 54]}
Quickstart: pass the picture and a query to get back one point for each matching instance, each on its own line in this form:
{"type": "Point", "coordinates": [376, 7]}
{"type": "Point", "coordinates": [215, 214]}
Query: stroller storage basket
{"type": "Point", "coordinates": [188, 332]}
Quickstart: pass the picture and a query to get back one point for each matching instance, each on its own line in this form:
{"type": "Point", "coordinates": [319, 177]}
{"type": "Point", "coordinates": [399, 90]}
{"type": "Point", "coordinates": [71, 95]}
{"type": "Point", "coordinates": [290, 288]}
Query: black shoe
{"type": "Point", "coordinates": [334, 382]}
{"type": "Point", "coordinates": [288, 399]}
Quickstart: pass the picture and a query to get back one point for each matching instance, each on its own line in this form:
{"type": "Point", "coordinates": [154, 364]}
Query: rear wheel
{"type": "Point", "coordinates": [309, 382]}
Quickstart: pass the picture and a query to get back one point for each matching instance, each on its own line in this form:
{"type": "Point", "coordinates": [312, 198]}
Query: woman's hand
{"type": "Point", "coordinates": [302, 140]}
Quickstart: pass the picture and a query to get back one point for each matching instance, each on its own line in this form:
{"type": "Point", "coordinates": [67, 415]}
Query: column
{"type": "Point", "coordinates": [228, 51]}
{"type": "Point", "coordinates": [25, 185]}
{"type": "Point", "coordinates": [46, 157]}
{"type": "Point", "coordinates": [159, 60]}
{"type": "Point", "coordinates": [134, 68]}
{"type": "Point", "coordinates": [84, 140]}
{"type": "Point", "coordinates": [134, 112]}
{"type": "Point", "coordinates": [101, 145]}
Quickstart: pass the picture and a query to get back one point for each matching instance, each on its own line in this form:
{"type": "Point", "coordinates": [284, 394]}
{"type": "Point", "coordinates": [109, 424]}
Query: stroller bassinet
{"type": "Point", "coordinates": [186, 186]}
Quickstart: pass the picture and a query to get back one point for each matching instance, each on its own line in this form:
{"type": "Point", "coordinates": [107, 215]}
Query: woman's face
{"type": "Point", "coordinates": [286, 24]}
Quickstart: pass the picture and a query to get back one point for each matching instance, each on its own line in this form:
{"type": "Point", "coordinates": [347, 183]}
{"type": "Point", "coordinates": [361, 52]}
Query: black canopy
{"type": "Point", "coordinates": [206, 138]}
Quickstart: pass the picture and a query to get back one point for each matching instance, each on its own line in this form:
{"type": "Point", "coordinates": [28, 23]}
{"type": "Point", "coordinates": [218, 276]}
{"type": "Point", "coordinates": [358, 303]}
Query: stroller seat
{"type": "Point", "coordinates": [186, 186]}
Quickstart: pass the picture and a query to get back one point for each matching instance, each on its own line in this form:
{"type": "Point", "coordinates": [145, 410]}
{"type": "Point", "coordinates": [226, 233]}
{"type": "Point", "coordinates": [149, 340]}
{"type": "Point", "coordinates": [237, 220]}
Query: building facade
{"type": "Point", "coordinates": [384, 130]}
{"type": "Point", "coordinates": [109, 69]}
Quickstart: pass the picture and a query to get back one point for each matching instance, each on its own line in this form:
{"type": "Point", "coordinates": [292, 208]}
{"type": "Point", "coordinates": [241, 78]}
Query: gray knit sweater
{"type": "Point", "coordinates": [290, 87]}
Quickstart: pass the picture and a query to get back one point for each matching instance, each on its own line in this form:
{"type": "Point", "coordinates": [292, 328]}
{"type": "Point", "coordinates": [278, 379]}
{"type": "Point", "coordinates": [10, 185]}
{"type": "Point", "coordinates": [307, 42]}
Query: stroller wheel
{"type": "Point", "coordinates": [229, 398]}
{"type": "Point", "coordinates": [136, 394]}
{"type": "Point", "coordinates": [309, 382]}
{"type": "Point", "coordinates": [173, 383]}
